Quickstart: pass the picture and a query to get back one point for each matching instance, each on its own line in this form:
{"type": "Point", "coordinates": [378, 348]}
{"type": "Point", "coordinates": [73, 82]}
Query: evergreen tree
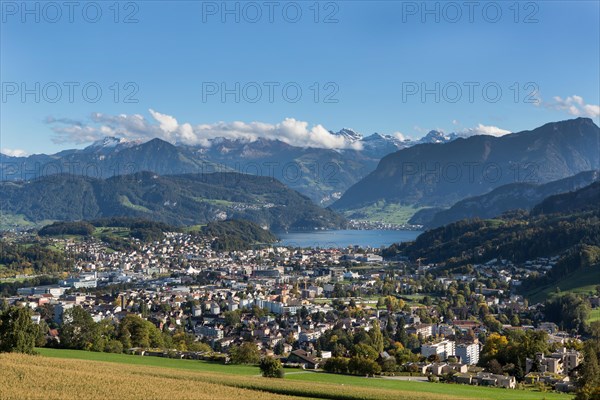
{"type": "Point", "coordinates": [3, 305]}
{"type": "Point", "coordinates": [377, 337]}
{"type": "Point", "coordinates": [401, 335]}
{"type": "Point", "coordinates": [518, 372]}
{"type": "Point", "coordinates": [278, 349]}
{"type": "Point", "coordinates": [389, 327]}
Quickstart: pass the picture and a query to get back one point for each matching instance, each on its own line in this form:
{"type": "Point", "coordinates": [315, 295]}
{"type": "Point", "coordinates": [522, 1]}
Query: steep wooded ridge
{"type": "Point", "coordinates": [513, 196]}
{"type": "Point", "coordinates": [587, 198]}
{"type": "Point", "coordinates": [236, 234]}
{"type": "Point", "coordinates": [559, 224]}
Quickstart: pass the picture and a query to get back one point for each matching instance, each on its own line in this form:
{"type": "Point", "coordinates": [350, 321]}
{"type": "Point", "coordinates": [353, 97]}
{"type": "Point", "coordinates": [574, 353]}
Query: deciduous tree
{"type": "Point", "coordinates": [17, 332]}
{"type": "Point", "coordinates": [79, 331]}
{"type": "Point", "coordinates": [271, 368]}
{"type": "Point", "coordinates": [246, 353]}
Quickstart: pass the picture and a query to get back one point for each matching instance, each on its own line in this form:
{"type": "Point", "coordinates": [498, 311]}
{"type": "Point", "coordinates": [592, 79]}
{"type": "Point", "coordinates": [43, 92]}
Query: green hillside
{"type": "Point", "coordinates": [583, 281]}
{"type": "Point", "coordinates": [189, 199]}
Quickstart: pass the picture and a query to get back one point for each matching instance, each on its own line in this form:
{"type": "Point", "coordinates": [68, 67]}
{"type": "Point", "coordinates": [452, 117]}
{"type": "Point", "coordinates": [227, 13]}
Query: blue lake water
{"type": "Point", "coordinates": [344, 238]}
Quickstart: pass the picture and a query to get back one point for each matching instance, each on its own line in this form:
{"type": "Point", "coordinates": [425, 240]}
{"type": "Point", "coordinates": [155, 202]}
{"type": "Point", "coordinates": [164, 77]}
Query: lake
{"type": "Point", "coordinates": [345, 238]}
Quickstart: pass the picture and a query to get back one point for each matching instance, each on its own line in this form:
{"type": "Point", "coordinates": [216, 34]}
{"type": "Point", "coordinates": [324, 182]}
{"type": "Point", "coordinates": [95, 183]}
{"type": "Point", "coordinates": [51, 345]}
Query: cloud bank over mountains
{"type": "Point", "coordinates": [166, 127]}
{"type": "Point", "coordinates": [574, 105]}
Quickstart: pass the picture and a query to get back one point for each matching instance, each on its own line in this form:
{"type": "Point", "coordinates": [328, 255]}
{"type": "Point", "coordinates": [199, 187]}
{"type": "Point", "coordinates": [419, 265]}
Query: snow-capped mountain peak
{"type": "Point", "coordinates": [435, 137]}
{"type": "Point", "coordinates": [348, 134]}
{"type": "Point", "coordinates": [111, 143]}
{"type": "Point", "coordinates": [375, 136]}
{"type": "Point", "coordinates": [108, 141]}
{"type": "Point", "coordinates": [380, 145]}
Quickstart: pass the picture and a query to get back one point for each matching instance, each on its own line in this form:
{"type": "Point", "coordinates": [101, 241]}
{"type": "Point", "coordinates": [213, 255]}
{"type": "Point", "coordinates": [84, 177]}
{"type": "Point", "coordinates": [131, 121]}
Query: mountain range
{"type": "Point", "coordinates": [441, 174]}
{"type": "Point", "coordinates": [319, 173]}
{"type": "Point", "coordinates": [445, 176]}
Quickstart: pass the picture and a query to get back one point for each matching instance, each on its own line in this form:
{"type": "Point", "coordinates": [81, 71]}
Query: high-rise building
{"type": "Point", "coordinates": [468, 353]}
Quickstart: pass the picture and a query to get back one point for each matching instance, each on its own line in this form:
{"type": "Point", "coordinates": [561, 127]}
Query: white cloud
{"type": "Point", "coordinates": [13, 152]}
{"type": "Point", "coordinates": [591, 110]}
{"type": "Point", "coordinates": [481, 129]}
{"type": "Point", "coordinates": [167, 123]}
{"type": "Point", "coordinates": [574, 105]}
{"type": "Point", "coordinates": [400, 136]}
{"type": "Point", "coordinates": [166, 127]}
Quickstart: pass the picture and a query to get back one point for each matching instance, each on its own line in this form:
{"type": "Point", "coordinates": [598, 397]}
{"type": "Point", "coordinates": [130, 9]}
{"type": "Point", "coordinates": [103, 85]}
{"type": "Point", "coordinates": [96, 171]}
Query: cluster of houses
{"type": "Point", "coordinates": [508, 272]}
{"type": "Point", "coordinates": [551, 369]}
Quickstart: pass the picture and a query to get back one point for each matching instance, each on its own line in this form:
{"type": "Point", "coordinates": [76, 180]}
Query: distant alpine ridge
{"type": "Point", "coordinates": [321, 174]}
{"type": "Point", "coordinates": [447, 176]}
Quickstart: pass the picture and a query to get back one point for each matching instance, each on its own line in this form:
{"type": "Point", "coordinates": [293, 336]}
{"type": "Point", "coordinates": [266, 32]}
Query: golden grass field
{"type": "Point", "coordinates": [24, 377]}
{"type": "Point", "coordinates": [30, 377]}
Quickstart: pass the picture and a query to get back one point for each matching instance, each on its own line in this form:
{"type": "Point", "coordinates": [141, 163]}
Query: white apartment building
{"type": "Point", "coordinates": [468, 353]}
{"type": "Point", "coordinates": [443, 349]}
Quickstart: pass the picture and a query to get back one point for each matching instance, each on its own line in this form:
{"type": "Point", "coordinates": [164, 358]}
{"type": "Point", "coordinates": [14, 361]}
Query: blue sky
{"type": "Point", "coordinates": [370, 63]}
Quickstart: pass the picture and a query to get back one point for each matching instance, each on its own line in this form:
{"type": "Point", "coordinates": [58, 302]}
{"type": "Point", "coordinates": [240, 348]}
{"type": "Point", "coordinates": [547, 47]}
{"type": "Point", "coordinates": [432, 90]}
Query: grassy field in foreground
{"type": "Point", "coordinates": [305, 383]}
{"type": "Point", "coordinates": [191, 365]}
{"type": "Point", "coordinates": [34, 377]}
